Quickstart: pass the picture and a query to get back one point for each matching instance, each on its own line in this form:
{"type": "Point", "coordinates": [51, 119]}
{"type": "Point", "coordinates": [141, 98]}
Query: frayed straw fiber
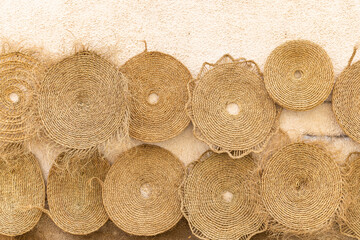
{"type": "Point", "coordinates": [22, 190]}
{"type": "Point", "coordinates": [220, 198]}
{"type": "Point", "coordinates": [299, 75]}
{"type": "Point", "coordinates": [74, 193]}
{"type": "Point", "coordinates": [236, 82]}
{"type": "Point", "coordinates": [140, 191]}
{"type": "Point", "coordinates": [301, 188]}
{"type": "Point", "coordinates": [161, 76]}
{"type": "Point", "coordinates": [83, 101]}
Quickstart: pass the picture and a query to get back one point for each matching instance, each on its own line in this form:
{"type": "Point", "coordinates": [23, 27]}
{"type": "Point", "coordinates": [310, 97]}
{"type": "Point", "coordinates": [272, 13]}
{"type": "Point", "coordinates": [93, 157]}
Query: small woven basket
{"type": "Point", "coordinates": [19, 84]}
{"type": "Point", "coordinates": [349, 217]}
{"type": "Point", "coordinates": [299, 75]}
{"type": "Point", "coordinates": [346, 99]}
{"type": "Point", "coordinates": [220, 85]}
{"type": "Point", "coordinates": [157, 83]}
{"type": "Point", "coordinates": [141, 190]}
{"type": "Point", "coordinates": [74, 195]}
{"type": "Point", "coordinates": [301, 188]}
{"type": "Point", "coordinates": [22, 191]}
{"type": "Point", "coordinates": [220, 198]}
{"type": "Point", "coordinates": [83, 101]}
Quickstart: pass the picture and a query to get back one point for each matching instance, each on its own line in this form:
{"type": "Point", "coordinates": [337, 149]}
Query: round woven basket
{"type": "Point", "coordinates": [83, 101]}
{"type": "Point", "coordinates": [346, 101]}
{"type": "Point", "coordinates": [141, 190]}
{"type": "Point", "coordinates": [350, 216]}
{"type": "Point", "coordinates": [157, 83]}
{"type": "Point", "coordinates": [299, 75]}
{"type": "Point", "coordinates": [220, 200]}
{"type": "Point", "coordinates": [301, 188]}
{"type": "Point", "coordinates": [74, 195]}
{"type": "Point", "coordinates": [236, 83]}
{"type": "Point", "coordinates": [19, 79]}
{"type": "Point", "coordinates": [22, 191]}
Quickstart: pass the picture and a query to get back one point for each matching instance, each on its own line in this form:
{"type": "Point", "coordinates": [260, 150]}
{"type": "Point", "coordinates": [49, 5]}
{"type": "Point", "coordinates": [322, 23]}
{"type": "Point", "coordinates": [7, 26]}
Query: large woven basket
{"type": "Point", "coordinates": [220, 198]}
{"type": "Point", "coordinates": [349, 220]}
{"type": "Point", "coordinates": [157, 83]}
{"type": "Point", "coordinates": [299, 75]}
{"type": "Point", "coordinates": [19, 84]}
{"type": "Point", "coordinates": [301, 188]}
{"type": "Point", "coordinates": [74, 193]}
{"type": "Point", "coordinates": [346, 100]}
{"type": "Point", "coordinates": [22, 191]}
{"type": "Point", "coordinates": [141, 190]}
{"type": "Point", "coordinates": [218, 87]}
{"type": "Point", "coordinates": [83, 101]}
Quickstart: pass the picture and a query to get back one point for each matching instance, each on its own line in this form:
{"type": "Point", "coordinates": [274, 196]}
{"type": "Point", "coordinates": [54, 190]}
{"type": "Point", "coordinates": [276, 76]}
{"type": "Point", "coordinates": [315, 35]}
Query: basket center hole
{"type": "Point", "coordinates": [227, 196]}
{"type": "Point", "coordinates": [145, 190]}
{"type": "Point", "coordinates": [153, 98]}
{"type": "Point", "coordinates": [233, 109]}
{"type": "Point", "coordinates": [14, 97]}
{"type": "Point", "coordinates": [298, 74]}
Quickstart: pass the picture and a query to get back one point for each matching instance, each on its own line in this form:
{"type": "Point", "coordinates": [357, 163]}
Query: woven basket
{"type": "Point", "coordinates": [220, 199]}
{"type": "Point", "coordinates": [218, 86]}
{"type": "Point", "coordinates": [83, 101]}
{"type": "Point", "coordinates": [22, 190]}
{"type": "Point", "coordinates": [74, 196]}
{"type": "Point", "coordinates": [161, 74]}
{"type": "Point", "coordinates": [19, 83]}
{"type": "Point", "coordinates": [350, 214]}
{"type": "Point", "coordinates": [299, 75]}
{"type": "Point", "coordinates": [346, 100]}
{"type": "Point", "coordinates": [141, 190]}
{"type": "Point", "coordinates": [301, 188]}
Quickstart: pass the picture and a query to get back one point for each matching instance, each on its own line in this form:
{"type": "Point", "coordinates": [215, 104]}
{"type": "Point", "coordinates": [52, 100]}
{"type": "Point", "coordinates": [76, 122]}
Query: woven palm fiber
{"type": "Point", "coordinates": [140, 192]}
{"type": "Point", "coordinates": [220, 198]}
{"type": "Point", "coordinates": [22, 190]}
{"type": "Point", "coordinates": [349, 220]}
{"type": "Point", "coordinates": [346, 101]}
{"type": "Point", "coordinates": [19, 83]}
{"type": "Point", "coordinates": [157, 73]}
{"type": "Point", "coordinates": [74, 196]}
{"type": "Point", "coordinates": [83, 101]}
{"type": "Point", "coordinates": [301, 188]}
{"type": "Point", "coordinates": [299, 75]}
{"type": "Point", "coordinates": [226, 82]}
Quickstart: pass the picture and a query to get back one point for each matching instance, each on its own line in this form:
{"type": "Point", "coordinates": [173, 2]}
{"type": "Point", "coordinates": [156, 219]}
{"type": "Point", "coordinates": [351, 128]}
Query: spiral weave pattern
{"type": "Point", "coordinates": [163, 75]}
{"type": "Point", "coordinates": [22, 189]}
{"type": "Point", "coordinates": [219, 199]}
{"type": "Point", "coordinates": [83, 101]}
{"type": "Point", "coordinates": [141, 190]}
{"type": "Point", "coordinates": [346, 101]}
{"type": "Point", "coordinates": [238, 83]}
{"type": "Point", "coordinates": [19, 83]}
{"type": "Point", "coordinates": [351, 213]}
{"type": "Point", "coordinates": [299, 75]}
{"type": "Point", "coordinates": [301, 188]}
{"type": "Point", "coordinates": [74, 196]}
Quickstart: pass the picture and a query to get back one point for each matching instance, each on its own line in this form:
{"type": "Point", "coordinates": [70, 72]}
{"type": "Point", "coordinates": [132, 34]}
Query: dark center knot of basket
{"type": "Point", "coordinates": [82, 100]}
{"type": "Point", "coordinates": [301, 184]}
